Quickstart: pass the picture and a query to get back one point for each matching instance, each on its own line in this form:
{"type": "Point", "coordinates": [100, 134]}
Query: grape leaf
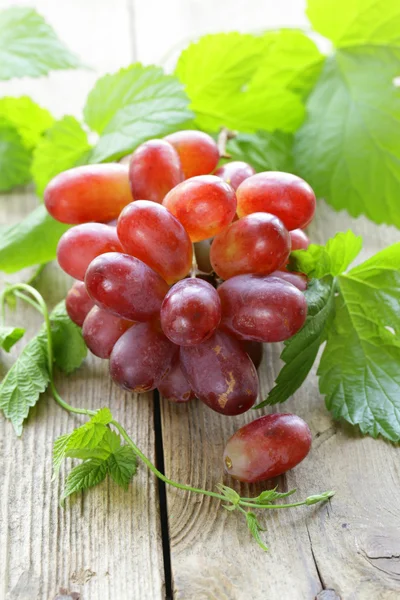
{"type": "Point", "coordinates": [359, 369]}
{"type": "Point", "coordinates": [133, 105]}
{"type": "Point", "coordinates": [255, 528]}
{"type": "Point", "coordinates": [24, 382]}
{"type": "Point", "coordinates": [332, 259]}
{"type": "Point", "coordinates": [289, 59]}
{"type": "Point", "coordinates": [10, 336]}
{"type": "Point", "coordinates": [217, 72]}
{"type": "Point", "coordinates": [349, 147]}
{"type": "Point", "coordinates": [122, 465]}
{"type": "Point", "coordinates": [30, 119]}
{"type": "Point", "coordinates": [301, 350]}
{"type": "Point", "coordinates": [32, 241]}
{"type": "Point", "coordinates": [29, 47]}
{"type": "Point", "coordinates": [15, 157]}
{"type": "Point", "coordinates": [84, 476]}
{"type": "Point", "coordinates": [263, 150]}
{"type": "Point", "coordinates": [69, 347]}
{"type": "Point", "coordinates": [356, 22]}
{"type": "Point", "coordinates": [65, 145]}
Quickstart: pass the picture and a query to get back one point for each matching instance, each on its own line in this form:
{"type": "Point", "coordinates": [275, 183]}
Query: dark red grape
{"type": "Point", "coordinates": [267, 447]}
{"type": "Point", "coordinates": [262, 309]}
{"type": "Point", "coordinates": [190, 312]}
{"type": "Point", "coordinates": [154, 169]}
{"type": "Point", "coordinates": [299, 280]}
{"type": "Point", "coordinates": [141, 358]}
{"type": "Point", "coordinates": [205, 205]}
{"type": "Point", "coordinates": [197, 151]}
{"type": "Point", "coordinates": [88, 193]}
{"type": "Point", "coordinates": [221, 374]}
{"type": "Point", "coordinates": [174, 387]}
{"type": "Point", "coordinates": [257, 243]}
{"type": "Point", "coordinates": [125, 286]}
{"type": "Point", "coordinates": [150, 232]}
{"type": "Point", "coordinates": [282, 194]}
{"type": "Point", "coordinates": [78, 303]}
{"type": "Point", "coordinates": [235, 172]}
{"type": "Point", "coordinates": [81, 244]}
{"type": "Point", "coordinates": [101, 330]}
{"type": "Point", "coordinates": [299, 239]}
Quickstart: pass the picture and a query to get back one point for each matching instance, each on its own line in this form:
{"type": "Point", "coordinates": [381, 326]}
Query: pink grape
{"type": "Point", "coordinates": [197, 151]}
{"type": "Point", "coordinates": [81, 244]}
{"type": "Point", "coordinates": [78, 303]}
{"type": "Point", "coordinates": [101, 330]}
{"type": "Point", "coordinates": [125, 286]}
{"type": "Point", "coordinates": [174, 386]}
{"type": "Point", "coordinates": [141, 358]}
{"type": "Point", "coordinates": [235, 172]}
{"type": "Point", "coordinates": [221, 374]}
{"type": "Point", "coordinates": [267, 447]}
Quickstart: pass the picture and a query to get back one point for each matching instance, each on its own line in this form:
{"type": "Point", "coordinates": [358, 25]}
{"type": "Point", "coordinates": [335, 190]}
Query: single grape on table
{"type": "Point", "coordinates": [178, 214]}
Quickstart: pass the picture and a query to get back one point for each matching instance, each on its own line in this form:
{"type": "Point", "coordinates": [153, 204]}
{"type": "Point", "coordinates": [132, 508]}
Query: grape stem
{"type": "Point", "coordinates": [29, 294]}
{"type": "Point", "coordinates": [224, 135]}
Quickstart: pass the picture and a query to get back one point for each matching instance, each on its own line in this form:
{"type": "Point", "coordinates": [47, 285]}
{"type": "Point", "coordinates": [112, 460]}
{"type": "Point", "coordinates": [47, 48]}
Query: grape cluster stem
{"type": "Point", "coordinates": [29, 294]}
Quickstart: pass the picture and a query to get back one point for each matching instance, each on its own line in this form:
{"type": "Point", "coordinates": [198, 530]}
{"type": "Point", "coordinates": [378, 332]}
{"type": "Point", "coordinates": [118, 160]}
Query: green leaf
{"type": "Point", "coordinates": [263, 150]}
{"type": "Point", "coordinates": [349, 147]}
{"type": "Point", "coordinates": [29, 47]}
{"type": "Point", "coordinates": [103, 416]}
{"type": "Point", "coordinates": [290, 59]}
{"type": "Point", "coordinates": [24, 382]}
{"type": "Point", "coordinates": [217, 72]}
{"type": "Point", "coordinates": [84, 476]}
{"type": "Point", "coordinates": [133, 105]}
{"type": "Point", "coordinates": [359, 369]}
{"type": "Point", "coordinates": [69, 347]}
{"type": "Point", "coordinates": [332, 259]}
{"type": "Point", "coordinates": [30, 119]}
{"type": "Point", "coordinates": [229, 493]}
{"type": "Point", "coordinates": [301, 350]}
{"type": "Point", "coordinates": [271, 495]}
{"type": "Point", "coordinates": [32, 241]}
{"type": "Point", "coordinates": [255, 528]}
{"type": "Point", "coordinates": [10, 336]}
{"type": "Point", "coordinates": [356, 22]}
{"type": "Point", "coordinates": [122, 466]}
{"type": "Point", "coordinates": [64, 146]}
{"type": "Point", "coordinates": [15, 157]}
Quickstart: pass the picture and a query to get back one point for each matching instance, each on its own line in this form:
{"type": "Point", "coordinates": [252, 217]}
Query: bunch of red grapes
{"type": "Point", "coordinates": [182, 290]}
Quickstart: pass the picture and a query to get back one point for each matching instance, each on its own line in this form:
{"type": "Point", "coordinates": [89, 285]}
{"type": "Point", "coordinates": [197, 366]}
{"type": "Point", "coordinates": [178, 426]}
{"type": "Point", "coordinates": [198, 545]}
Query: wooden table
{"type": "Point", "coordinates": [109, 544]}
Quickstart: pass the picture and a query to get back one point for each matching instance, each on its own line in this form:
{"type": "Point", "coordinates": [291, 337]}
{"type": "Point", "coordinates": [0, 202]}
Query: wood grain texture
{"type": "Point", "coordinates": [348, 548]}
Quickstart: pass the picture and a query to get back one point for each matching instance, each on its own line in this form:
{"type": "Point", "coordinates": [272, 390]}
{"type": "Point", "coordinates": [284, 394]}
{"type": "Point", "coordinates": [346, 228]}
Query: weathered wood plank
{"type": "Point", "coordinates": [105, 544]}
{"type": "Point", "coordinates": [350, 546]}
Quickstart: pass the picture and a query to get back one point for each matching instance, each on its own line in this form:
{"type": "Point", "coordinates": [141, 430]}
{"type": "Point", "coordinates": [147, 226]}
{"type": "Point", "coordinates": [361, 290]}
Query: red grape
{"type": "Point", "coordinates": [262, 309]}
{"type": "Point", "coordinates": [221, 374]}
{"type": "Point", "coordinates": [197, 151]}
{"type": "Point", "coordinates": [255, 350]}
{"type": "Point", "coordinates": [299, 280]}
{"type": "Point", "coordinates": [154, 169]}
{"type": "Point", "coordinates": [299, 239]}
{"type": "Point", "coordinates": [267, 447]}
{"type": "Point", "coordinates": [190, 312]}
{"type": "Point", "coordinates": [78, 303]}
{"type": "Point", "coordinates": [257, 243]}
{"type": "Point", "coordinates": [125, 286]}
{"type": "Point", "coordinates": [235, 172]}
{"type": "Point", "coordinates": [174, 386]}
{"type": "Point", "coordinates": [81, 244]}
{"type": "Point", "coordinates": [205, 205]}
{"type": "Point", "coordinates": [150, 232]}
{"type": "Point", "coordinates": [101, 330]}
{"type": "Point", "coordinates": [282, 194]}
{"type": "Point", "coordinates": [88, 193]}
{"type": "Point", "coordinates": [141, 358]}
